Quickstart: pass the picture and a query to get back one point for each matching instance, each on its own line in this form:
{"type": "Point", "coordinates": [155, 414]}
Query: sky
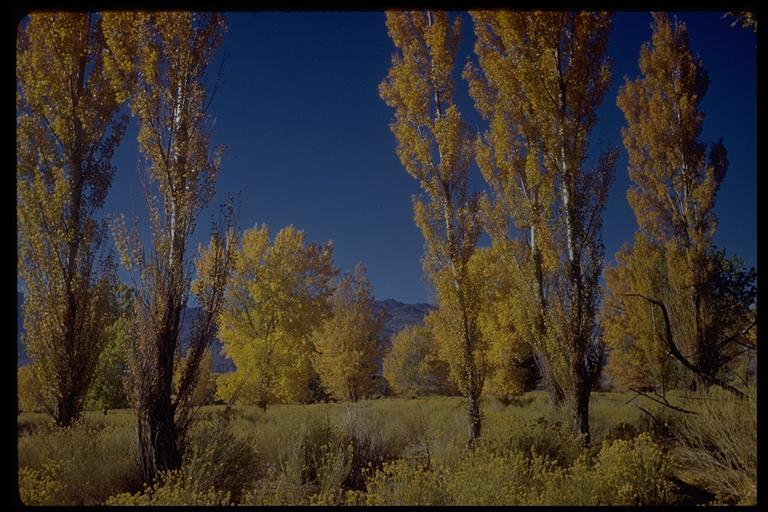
{"type": "Point", "coordinates": [308, 140]}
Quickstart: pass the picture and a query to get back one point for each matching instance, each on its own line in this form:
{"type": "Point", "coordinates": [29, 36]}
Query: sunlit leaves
{"type": "Point", "coordinates": [540, 79]}
{"type": "Point", "coordinates": [67, 130]}
{"type": "Point", "coordinates": [278, 294]}
{"type": "Point", "coordinates": [434, 144]}
{"type": "Point", "coordinates": [346, 345]}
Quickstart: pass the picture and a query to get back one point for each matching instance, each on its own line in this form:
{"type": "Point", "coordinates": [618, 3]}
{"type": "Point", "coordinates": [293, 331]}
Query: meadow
{"type": "Point", "coordinates": [407, 452]}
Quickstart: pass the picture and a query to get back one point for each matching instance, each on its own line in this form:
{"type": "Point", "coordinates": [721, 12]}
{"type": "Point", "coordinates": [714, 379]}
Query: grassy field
{"type": "Point", "coordinates": [388, 451]}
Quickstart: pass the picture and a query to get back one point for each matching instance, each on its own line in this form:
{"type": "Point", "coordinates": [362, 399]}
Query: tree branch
{"type": "Point", "coordinates": [676, 353]}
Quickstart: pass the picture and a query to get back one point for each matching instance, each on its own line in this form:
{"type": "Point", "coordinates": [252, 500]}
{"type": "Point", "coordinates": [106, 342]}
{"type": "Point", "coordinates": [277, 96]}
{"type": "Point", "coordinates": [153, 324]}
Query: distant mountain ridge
{"type": "Point", "coordinates": [398, 316]}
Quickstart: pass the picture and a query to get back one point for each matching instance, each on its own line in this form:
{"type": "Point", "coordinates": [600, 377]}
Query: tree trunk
{"type": "Point", "coordinates": [158, 443]}
{"type": "Point", "coordinates": [580, 405]}
{"type": "Point", "coordinates": [262, 403]}
{"type": "Point", "coordinates": [474, 418]}
{"type": "Point", "coordinates": [554, 391]}
{"type": "Point", "coordinates": [66, 411]}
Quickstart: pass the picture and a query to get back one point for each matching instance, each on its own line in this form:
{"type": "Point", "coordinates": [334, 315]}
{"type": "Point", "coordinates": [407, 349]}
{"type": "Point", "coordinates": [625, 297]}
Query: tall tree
{"type": "Point", "coordinates": [674, 184]}
{"type": "Point", "coordinates": [158, 61]}
{"type": "Point", "coordinates": [540, 79]}
{"type": "Point", "coordinates": [278, 295]}
{"type": "Point", "coordinates": [347, 344]}
{"type": "Point", "coordinates": [67, 129]}
{"type": "Point", "coordinates": [434, 146]}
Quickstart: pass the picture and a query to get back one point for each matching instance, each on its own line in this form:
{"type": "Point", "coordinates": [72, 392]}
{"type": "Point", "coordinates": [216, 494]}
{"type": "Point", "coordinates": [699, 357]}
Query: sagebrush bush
{"type": "Point", "coordinates": [402, 483]}
{"type": "Point", "coordinates": [633, 472]}
{"type": "Point", "coordinates": [625, 472]}
{"type": "Point", "coordinates": [275, 489]}
{"type": "Point", "coordinates": [391, 451]}
{"type": "Point", "coordinates": [88, 465]}
{"type": "Point", "coordinates": [41, 486]}
{"type": "Point", "coordinates": [486, 477]}
{"type": "Point", "coordinates": [546, 439]}
{"type": "Point", "coordinates": [218, 458]}
{"type": "Point", "coordinates": [172, 488]}
{"type": "Point", "coordinates": [717, 445]}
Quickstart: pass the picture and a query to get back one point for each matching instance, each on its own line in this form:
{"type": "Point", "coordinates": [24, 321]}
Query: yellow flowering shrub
{"type": "Point", "coordinates": [173, 488]}
{"type": "Point", "coordinates": [401, 482]}
{"type": "Point", "coordinates": [40, 487]}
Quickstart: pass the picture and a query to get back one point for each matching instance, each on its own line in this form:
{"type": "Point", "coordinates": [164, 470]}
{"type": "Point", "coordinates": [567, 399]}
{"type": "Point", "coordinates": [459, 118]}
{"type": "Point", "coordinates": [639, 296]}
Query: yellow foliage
{"type": "Point", "coordinates": [277, 295]}
{"type": "Point", "coordinates": [540, 79]}
{"type": "Point", "coordinates": [673, 190]}
{"type": "Point", "coordinates": [412, 366]}
{"type": "Point", "coordinates": [634, 329]}
{"type": "Point", "coordinates": [347, 344]}
{"type": "Point", "coordinates": [67, 131]}
{"type": "Point", "coordinates": [30, 396]}
{"type": "Point", "coordinates": [172, 488]}
{"type": "Point", "coordinates": [434, 145]}
{"type": "Point", "coordinates": [40, 487]}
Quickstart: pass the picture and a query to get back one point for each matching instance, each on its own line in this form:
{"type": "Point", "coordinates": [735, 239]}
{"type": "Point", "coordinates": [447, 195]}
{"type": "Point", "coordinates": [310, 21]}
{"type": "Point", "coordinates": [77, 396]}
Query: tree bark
{"type": "Point", "coordinates": [580, 405]}
{"type": "Point", "coordinates": [66, 411]}
{"type": "Point", "coordinates": [473, 402]}
{"type": "Point", "coordinates": [158, 443]}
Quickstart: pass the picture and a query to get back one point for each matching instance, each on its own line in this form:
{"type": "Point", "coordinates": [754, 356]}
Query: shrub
{"type": "Point", "coordinates": [718, 445]}
{"type": "Point", "coordinates": [623, 473]}
{"type": "Point", "coordinates": [277, 489]}
{"type": "Point", "coordinates": [87, 465]}
{"type": "Point", "coordinates": [172, 488]}
{"type": "Point", "coordinates": [485, 477]}
{"type": "Point", "coordinates": [623, 431]}
{"type": "Point", "coordinates": [401, 483]}
{"type": "Point", "coordinates": [217, 458]}
{"type": "Point", "coordinates": [633, 472]}
{"type": "Point", "coordinates": [40, 487]}
{"type": "Point", "coordinates": [367, 448]}
{"type": "Point", "coordinates": [546, 439]}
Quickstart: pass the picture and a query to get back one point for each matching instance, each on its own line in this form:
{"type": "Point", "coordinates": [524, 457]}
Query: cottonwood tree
{"type": "Point", "coordinates": [412, 367]}
{"type": "Point", "coordinates": [67, 128]}
{"type": "Point", "coordinates": [346, 345]}
{"type": "Point", "coordinates": [540, 79]}
{"type": "Point", "coordinates": [158, 62]}
{"type": "Point", "coordinates": [434, 146]}
{"type": "Point", "coordinates": [674, 184]}
{"type": "Point", "coordinates": [278, 294]}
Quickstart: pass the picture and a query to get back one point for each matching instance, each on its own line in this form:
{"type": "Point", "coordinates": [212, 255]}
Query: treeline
{"type": "Point", "coordinates": [677, 311]}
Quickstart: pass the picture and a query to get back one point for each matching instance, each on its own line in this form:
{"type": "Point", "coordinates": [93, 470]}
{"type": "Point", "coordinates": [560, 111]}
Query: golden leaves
{"type": "Point", "coordinates": [277, 295]}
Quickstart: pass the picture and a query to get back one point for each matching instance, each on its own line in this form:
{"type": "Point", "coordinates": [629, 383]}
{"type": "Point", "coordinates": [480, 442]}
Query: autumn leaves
{"type": "Point", "coordinates": [539, 79]}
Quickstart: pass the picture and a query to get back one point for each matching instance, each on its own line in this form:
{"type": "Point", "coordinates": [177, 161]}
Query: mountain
{"type": "Point", "coordinates": [398, 315]}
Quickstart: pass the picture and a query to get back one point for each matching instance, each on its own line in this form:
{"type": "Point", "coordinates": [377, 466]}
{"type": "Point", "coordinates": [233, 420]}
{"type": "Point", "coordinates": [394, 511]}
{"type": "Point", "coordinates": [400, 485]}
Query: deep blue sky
{"type": "Point", "coordinates": [308, 140]}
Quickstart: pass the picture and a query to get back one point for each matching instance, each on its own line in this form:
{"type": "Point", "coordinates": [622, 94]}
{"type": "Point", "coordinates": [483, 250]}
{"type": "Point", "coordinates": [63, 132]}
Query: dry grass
{"type": "Point", "coordinates": [368, 452]}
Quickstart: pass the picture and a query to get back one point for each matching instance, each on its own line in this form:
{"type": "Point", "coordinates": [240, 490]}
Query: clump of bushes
{"type": "Point", "coordinates": [218, 458]}
{"type": "Point", "coordinates": [402, 482]}
{"type": "Point", "coordinates": [625, 472]}
{"type": "Point", "coordinates": [172, 488]}
{"type": "Point", "coordinates": [547, 439]}
{"type": "Point", "coordinates": [319, 460]}
{"type": "Point", "coordinates": [78, 465]}
{"type": "Point", "coordinates": [717, 445]}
